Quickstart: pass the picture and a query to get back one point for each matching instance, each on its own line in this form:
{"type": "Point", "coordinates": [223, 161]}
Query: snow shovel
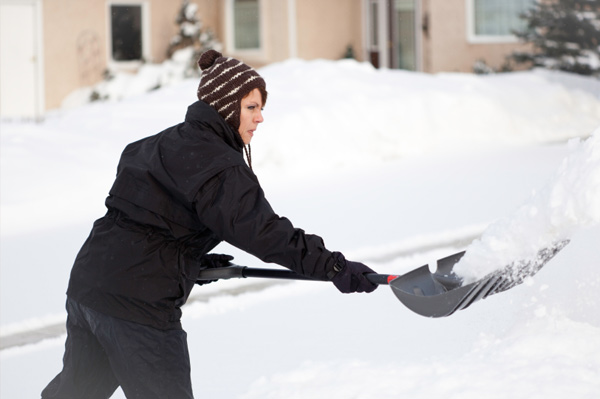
{"type": "Point", "coordinates": [437, 294]}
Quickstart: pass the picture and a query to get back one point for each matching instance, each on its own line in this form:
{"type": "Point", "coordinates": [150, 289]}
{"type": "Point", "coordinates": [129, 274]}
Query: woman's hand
{"type": "Point", "coordinates": [350, 276]}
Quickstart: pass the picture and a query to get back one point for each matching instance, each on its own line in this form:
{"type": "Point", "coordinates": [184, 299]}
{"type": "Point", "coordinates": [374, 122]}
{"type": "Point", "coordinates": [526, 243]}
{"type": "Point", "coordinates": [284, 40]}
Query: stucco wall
{"type": "Point", "coordinates": [163, 26]}
{"type": "Point", "coordinates": [277, 46]}
{"type": "Point", "coordinates": [326, 28]}
{"type": "Point", "coordinates": [76, 40]}
{"type": "Point", "coordinates": [323, 29]}
{"type": "Point", "coordinates": [69, 25]}
{"type": "Point", "coordinates": [447, 47]}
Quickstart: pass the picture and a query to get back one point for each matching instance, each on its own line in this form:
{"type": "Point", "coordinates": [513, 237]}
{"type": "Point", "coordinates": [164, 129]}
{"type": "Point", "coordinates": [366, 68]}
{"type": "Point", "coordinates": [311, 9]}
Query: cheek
{"type": "Point", "coordinates": [243, 122]}
{"type": "Point", "coordinates": [243, 118]}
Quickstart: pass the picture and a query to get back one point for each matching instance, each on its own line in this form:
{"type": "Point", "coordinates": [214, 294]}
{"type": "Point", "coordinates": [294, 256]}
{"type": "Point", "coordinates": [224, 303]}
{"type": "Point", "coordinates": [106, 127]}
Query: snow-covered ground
{"type": "Point", "coordinates": [392, 168]}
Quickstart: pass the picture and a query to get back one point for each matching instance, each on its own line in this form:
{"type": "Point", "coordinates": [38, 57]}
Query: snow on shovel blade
{"type": "Point", "coordinates": [442, 293]}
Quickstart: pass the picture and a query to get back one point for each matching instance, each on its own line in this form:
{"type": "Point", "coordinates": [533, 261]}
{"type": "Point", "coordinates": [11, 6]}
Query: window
{"type": "Point", "coordinates": [404, 36]}
{"type": "Point", "coordinates": [373, 32]}
{"type": "Point", "coordinates": [246, 24]}
{"type": "Point", "coordinates": [495, 20]}
{"type": "Point", "coordinates": [126, 32]}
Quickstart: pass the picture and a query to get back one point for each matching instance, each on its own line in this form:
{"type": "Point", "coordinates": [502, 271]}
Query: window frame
{"type": "Point", "coordinates": [230, 29]}
{"type": "Point", "coordinates": [146, 53]}
{"type": "Point", "coordinates": [475, 38]}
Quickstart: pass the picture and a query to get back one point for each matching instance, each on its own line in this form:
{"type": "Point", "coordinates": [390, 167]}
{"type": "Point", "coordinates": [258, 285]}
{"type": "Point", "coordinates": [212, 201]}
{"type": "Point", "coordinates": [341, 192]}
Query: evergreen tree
{"type": "Point", "coordinates": [192, 35]}
{"type": "Point", "coordinates": [564, 34]}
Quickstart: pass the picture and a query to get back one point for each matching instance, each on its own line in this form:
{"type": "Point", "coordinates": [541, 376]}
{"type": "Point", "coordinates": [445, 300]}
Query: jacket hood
{"type": "Point", "coordinates": [205, 116]}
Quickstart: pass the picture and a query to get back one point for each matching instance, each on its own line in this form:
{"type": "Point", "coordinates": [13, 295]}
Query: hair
{"type": "Point", "coordinates": [263, 94]}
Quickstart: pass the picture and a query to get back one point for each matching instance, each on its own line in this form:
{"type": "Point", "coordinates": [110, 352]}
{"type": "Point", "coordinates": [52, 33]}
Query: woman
{"type": "Point", "coordinates": [176, 196]}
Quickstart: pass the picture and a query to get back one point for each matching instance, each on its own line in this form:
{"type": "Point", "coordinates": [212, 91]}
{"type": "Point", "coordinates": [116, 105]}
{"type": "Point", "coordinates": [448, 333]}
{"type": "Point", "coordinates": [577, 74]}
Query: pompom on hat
{"type": "Point", "coordinates": [224, 81]}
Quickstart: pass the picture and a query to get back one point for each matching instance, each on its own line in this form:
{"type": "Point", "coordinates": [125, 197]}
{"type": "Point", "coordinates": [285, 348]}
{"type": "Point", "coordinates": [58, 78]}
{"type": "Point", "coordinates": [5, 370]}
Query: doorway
{"type": "Point", "coordinates": [392, 28]}
{"type": "Point", "coordinates": [21, 78]}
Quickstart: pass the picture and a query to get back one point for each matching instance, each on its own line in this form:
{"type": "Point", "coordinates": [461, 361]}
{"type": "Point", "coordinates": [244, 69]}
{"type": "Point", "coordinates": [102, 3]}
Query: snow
{"type": "Point", "coordinates": [570, 201]}
{"type": "Point", "coordinates": [393, 168]}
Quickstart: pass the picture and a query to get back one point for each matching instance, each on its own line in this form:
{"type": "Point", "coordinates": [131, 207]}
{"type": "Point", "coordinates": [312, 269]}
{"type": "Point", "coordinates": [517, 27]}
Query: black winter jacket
{"type": "Point", "coordinates": [176, 196]}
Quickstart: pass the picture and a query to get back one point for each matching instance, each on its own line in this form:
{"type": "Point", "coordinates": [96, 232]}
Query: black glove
{"type": "Point", "coordinates": [211, 261]}
{"type": "Point", "coordinates": [350, 275]}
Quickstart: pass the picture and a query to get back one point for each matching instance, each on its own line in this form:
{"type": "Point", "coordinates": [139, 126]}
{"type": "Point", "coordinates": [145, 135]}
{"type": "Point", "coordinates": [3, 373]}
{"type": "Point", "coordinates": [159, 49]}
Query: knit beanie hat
{"type": "Point", "coordinates": [224, 81]}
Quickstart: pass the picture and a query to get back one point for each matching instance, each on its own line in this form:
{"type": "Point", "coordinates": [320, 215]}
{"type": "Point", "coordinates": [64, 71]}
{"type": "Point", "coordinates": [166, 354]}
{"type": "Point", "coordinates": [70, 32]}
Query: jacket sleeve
{"type": "Point", "coordinates": [233, 205]}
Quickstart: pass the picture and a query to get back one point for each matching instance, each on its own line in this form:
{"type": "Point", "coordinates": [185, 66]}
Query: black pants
{"type": "Point", "coordinates": [103, 353]}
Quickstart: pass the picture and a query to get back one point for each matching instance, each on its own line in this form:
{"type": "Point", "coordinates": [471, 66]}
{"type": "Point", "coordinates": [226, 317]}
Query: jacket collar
{"type": "Point", "coordinates": [205, 116]}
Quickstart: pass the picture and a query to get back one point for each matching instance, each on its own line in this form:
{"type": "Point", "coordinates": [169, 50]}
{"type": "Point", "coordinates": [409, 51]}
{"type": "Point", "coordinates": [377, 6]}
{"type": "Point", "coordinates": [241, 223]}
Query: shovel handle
{"type": "Point", "coordinates": [228, 272]}
{"type": "Point", "coordinates": [235, 271]}
{"type": "Point", "coordinates": [380, 279]}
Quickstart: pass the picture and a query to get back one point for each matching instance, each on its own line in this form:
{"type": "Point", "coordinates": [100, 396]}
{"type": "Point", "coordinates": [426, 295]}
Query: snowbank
{"type": "Point", "coordinates": [372, 116]}
{"type": "Point", "coordinates": [123, 85]}
{"type": "Point", "coordinates": [325, 115]}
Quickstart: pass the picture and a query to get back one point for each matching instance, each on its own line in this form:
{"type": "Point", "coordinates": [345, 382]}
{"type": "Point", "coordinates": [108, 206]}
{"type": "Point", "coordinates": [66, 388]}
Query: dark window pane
{"type": "Point", "coordinates": [126, 30]}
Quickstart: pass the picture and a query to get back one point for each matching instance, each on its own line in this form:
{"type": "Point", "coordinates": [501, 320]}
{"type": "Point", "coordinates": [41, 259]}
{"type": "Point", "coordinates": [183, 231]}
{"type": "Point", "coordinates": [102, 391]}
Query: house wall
{"type": "Point", "coordinates": [74, 46]}
{"type": "Point", "coordinates": [326, 28]}
{"type": "Point", "coordinates": [163, 26]}
{"type": "Point", "coordinates": [76, 40]}
{"type": "Point", "coordinates": [323, 29]}
{"type": "Point", "coordinates": [447, 46]}
{"type": "Point", "coordinates": [275, 32]}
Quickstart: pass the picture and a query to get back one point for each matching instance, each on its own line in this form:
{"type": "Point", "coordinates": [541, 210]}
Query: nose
{"type": "Point", "coordinates": [259, 118]}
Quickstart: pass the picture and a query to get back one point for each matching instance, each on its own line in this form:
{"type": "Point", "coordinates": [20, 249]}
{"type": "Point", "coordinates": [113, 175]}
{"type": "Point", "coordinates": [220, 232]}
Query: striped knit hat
{"type": "Point", "coordinates": [224, 82]}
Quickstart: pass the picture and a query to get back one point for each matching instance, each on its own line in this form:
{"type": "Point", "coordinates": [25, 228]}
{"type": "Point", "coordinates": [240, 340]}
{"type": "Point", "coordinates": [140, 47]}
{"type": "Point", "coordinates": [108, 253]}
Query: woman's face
{"type": "Point", "coordinates": [250, 115]}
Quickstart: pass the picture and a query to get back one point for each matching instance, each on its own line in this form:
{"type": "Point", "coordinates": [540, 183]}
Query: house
{"type": "Point", "coordinates": [49, 48]}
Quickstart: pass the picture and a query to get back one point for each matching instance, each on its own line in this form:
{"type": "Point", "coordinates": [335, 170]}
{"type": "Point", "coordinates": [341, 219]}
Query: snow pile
{"type": "Point", "coordinates": [121, 85]}
{"type": "Point", "coordinates": [569, 202]}
{"type": "Point", "coordinates": [327, 115]}
{"type": "Point", "coordinates": [351, 115]}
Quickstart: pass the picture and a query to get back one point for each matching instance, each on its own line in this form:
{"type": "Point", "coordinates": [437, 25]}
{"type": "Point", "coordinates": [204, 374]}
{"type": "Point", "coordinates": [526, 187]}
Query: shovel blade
{"type": "Point", "coordinates": [442, 293]}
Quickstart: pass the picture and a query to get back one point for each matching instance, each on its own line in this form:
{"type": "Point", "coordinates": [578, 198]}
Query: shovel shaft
{"type": "Point", "coordinates": [224, 273]}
